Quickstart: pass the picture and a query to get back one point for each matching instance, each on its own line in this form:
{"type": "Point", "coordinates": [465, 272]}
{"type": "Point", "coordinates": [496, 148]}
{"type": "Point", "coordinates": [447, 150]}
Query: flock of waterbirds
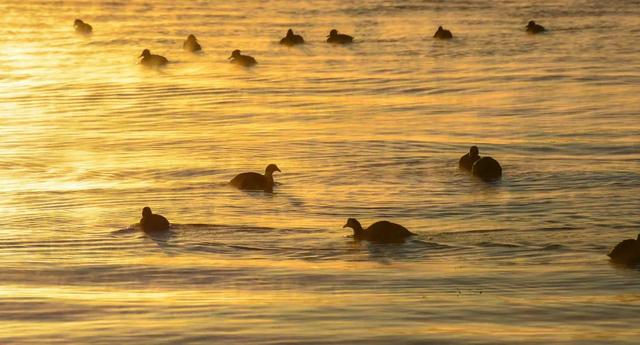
{"type": "Point", "coordinates": [486, 168]}
{"type": "Point", "coordinates": [191, 44]}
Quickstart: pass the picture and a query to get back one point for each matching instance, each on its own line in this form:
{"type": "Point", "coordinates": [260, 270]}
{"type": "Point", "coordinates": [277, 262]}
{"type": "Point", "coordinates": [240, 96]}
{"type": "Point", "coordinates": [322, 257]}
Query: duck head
{"type": "Point", "coordinates": [531, 24]}
{"type": "Point", "coordinates": [77, 22]}
{"type": "Point", "coordinates": [191, 38]}
{"type": "Point", "coordinates": [333, 33]}
{"type": "Point", "coordinates": [270, 169]}
{"type": "Point", "coordinates": [235, 54]}
{"type": "Point", "coordinates": [145, 53]}
{"type": "Point", "coordinates": [146, 212]}
{"type": "Point", "coordinates": [473, 151]}
{"type": "Point", "coordinates": [289, 33]}
{"type": "Point", "coordinates": [355, 225]}
{"type": "Point", "coordinates": [440, 28]}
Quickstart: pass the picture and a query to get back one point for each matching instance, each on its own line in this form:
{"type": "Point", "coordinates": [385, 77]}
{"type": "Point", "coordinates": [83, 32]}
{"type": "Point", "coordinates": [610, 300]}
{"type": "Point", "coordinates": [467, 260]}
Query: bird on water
{"type": "Point", "coordinates": [534, 28]}
{"type": "Point", "coordinates": [151, 222]}
{"type": "Point", "coordinates": [82, 27]}
{"type": "Point", "coordinates": [626, 252]}
{"type": "Point", "coordinates": [335, 37]}
{"type": "Point", "coordinates": [487, 169]}
{"type": "Point", "coordinates": [466, 161]}
{"type": "Point", "coordinates": [191, 44]}
{"type": "Point", "coordinates": [256, 181]}
{"type": "Point", "coordinates": [291, 39]}
{"type": "Point", "coordinates": [242, 60]}
{"type": "Point", "coordinates": [443, 34]}
{"type": "Point", "coordinates": [382, 231]}
{"type": "Point", "coordinates": [151, 60]}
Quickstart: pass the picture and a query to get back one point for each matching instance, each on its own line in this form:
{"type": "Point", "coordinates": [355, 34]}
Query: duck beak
{"type": "Point", "coordinates": [230, 57]}
{"type": "Point", "coordinates": [344, 226]}
{"type": "Point", "coordinates": [278, 170]}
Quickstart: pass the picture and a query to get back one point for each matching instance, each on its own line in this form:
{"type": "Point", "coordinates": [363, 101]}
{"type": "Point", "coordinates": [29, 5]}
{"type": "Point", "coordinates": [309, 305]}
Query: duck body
{"type": "Point", "coordinates": [152, 60]}
{"type": "Point", "coordinates": [191, 44]}
{"type": "Point", "coordinates": [336, 38]}
{"type": "Point", "coordinates": [256, 181]}
{"type": "Point", "coordinates": [82, 27]}
{"type": "Point", "coordinates": [534, 28]}
{"type": "Point", "coordinates": [487, 169]}
{"type": "Point", "coordinates": [466, 161]}
{"type": "Point", "coordinates": [242, 60]}
{"type": "Point", "coordinates": [626, 252]}
{"type": "Point", "coordinates": [443, 34]}
{"type": "Point", "coordinates": [153, 222]}
{"type": "Point", "coordinates": [381, 232]}
{"type": "Point", "coordinates": [291, 39]}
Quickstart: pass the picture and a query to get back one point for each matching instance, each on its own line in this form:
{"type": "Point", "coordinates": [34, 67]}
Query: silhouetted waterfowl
{"type": "Point", "coordinates": [626, 252]}
{"type": "Point", "coordinates": [151, 60]}
{"type": "Point", "coordinates": [191, 44]}
{"type": "Point", "coordinates": [82, 27]}
{"type": "Point", "coordinates": [534, 28]}
{"type": "Point", "coordinates": [335, 37]}
{"type": "Point", "coordinates": [243, 60]}
{"type": "Point", "coordinates": [153, 222]}
{"type": "Point", "coordinates": [443, 34]}
{"type": "Point", "coordinates": [291, 39]}
{"type": "Point", "coordinates": [382, 231]}
{"type": "Point", "coordinates": [256, 181]}
{"type": "Point", "coordinates": [466, 161]}
{"type": "Point", "coordinates": [487, 169]}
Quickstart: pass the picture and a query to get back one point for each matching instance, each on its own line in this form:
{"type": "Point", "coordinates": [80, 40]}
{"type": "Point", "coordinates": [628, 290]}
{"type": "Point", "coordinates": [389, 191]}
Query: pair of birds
{"type": "Point", "coordinates": [531, 27]}
{"type": "Point", "coordinates": [380, 232]}
{"type": "Point", "coordinates": [191, 44]}
{"type": "Point", "coordinates": [151, 222]}
{"type": "Point", "coordinates": [292, 39]}
{"type": "Point", "coordinates": [486, 168]}
{"type": "Point", "coordinates": [152, 60]}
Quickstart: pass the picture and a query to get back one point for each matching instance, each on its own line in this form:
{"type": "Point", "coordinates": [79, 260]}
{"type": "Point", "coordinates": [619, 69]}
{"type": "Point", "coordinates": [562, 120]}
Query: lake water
{"type": "Point", "coordinates": [372, 131]}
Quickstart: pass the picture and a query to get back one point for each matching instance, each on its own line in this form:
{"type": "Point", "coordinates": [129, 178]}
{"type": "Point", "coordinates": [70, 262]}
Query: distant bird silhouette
{"type": "Point", "coordinates": [191, 44]}
{"type": "Point", "coordinates": [291, 39]}
{"type": "Point", "coordinates": [466, 161]}
{"type": "Point", "coordinates": [256, 181]}
{"type": "Point", "coordinates": [626, 252]}
{"type": "Point", "coordinates": [383, 231]}
{"type": "Point", "coordinates": [335, 37]}
{"type": "Point", "coordinates": [534, 28]}
{"type": "Point", "coordinates": [242, 60]}
{"type": "Point", "coordinates": [487, 169]}
{"type": "Point", "coordinates": [151, 60]}
{"type": "Point", "coordinates": [153, 222]}
{"type": "Point", "coordinates": [82, 27]}
{"type": "Point", "coordinates": [443, 34]}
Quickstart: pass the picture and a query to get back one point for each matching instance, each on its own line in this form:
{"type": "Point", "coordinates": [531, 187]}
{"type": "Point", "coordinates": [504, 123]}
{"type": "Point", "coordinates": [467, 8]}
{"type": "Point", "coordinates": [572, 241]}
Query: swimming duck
{"type": "Point", "coordinates": [466, 161]}
{"type": "Point", "coordinates": [153, 222]}
{"type": "Point", "coordinates": [82, 27]}
{"type": "Point", "coordinates": [242, 60]}
{"type": "Point", "coordinates": [335, 37]}
{"type": "Point", "coordinates": [487, 169]}
{"type": "Point", "coordinates": [291, 39]}
{"type": "Point", "coordinates": [626, 252]}
{"type": "Point", "coordinates": [256, 181]}
{"type": "Point", "coordinates": [191, 44]}
{"type": "Point", "coordinates": [443, 34]}
{"type": "Point", "coordinates": [151, 60]}
{"type": "Point", "coordinates": [534, 28]}
{"type": "Point", "coordinates": [382, 231]}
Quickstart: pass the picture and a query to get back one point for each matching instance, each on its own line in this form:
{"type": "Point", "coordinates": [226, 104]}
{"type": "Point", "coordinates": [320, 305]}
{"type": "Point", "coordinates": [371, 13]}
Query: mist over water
{"type": "Point", "coordinates": [372, 130]}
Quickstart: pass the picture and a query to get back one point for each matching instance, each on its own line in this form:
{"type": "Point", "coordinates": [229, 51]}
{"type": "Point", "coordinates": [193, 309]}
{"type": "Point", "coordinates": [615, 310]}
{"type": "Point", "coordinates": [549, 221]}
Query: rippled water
{"type": "Point", "coordinates": [373, 131]}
